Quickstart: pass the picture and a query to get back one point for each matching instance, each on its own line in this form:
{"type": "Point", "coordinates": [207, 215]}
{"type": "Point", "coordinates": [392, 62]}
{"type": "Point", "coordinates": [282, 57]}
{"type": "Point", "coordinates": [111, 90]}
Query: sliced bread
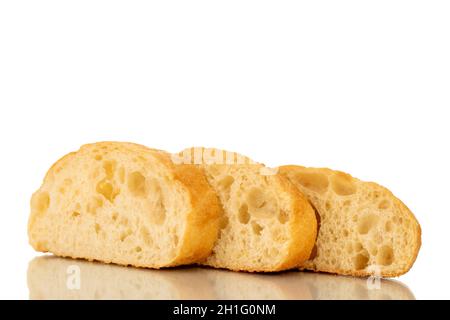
{"type": "Point", "coordinates": [363, 229]}
{"type": "Point", "coordinates": [126, 204]}
{"type": "Point", "coordinates": [267, 224]}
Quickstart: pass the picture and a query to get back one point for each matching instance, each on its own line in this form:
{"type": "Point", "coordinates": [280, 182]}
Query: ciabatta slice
{"type": "Point", "coordinates": [364, 229]}
{"type": "Point", "coordinates": [267, 225]}
{"type": "Point", "coordinates": [126, 204]}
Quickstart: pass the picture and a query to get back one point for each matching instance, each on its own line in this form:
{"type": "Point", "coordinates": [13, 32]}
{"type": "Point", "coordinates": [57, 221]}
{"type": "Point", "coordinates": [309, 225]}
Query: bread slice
{"type": "Point", "coordinates": [267, 225]}
{"type": "Point", "coordinates": [363, 230]}
{"type": "Point", "coordinates": [126, 204]}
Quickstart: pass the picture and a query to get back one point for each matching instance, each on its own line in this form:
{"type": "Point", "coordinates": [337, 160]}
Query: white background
{"type": "Point", "coordinates": [361, 86]}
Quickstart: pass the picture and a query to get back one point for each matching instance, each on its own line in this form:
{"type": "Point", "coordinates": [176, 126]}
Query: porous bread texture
{"type": "Point", "coordinates": [363, 229]}
{"type": "Point", "coordinates": [267, 224]}
{"type": "Point", "coordinates": [126, 204]}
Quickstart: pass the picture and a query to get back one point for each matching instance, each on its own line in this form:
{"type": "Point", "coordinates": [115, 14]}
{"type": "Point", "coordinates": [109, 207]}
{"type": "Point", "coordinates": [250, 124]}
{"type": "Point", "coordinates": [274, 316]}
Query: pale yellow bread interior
{"type": "Point", "coordinates": [363, 229]}
{"type": "Point", "coordinates": [126, 204]}
{"type": "Point", "coordinates": [267, 224]}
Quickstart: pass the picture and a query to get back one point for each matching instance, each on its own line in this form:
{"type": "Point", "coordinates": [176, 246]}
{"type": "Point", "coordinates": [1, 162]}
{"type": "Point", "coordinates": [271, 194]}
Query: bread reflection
{"type": "Point", "coordinates": [333, 287]}
{"type": "Point", "coordinates": [49, 278]}
{"type": "Point", "coordinates": [296, 285]}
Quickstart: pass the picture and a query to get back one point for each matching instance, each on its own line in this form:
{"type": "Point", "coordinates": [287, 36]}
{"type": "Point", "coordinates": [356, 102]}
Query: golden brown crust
{"type": "Point", "coordinates": [303, 227]}
{"type": "Point", "coordinates": [403, 208]}
{"type": "Point", "coordinates": [303, 224]}
{"type": "Point", "coordinates": [201, 223]}
{"type": "Point", "coordinates": [34, 215]}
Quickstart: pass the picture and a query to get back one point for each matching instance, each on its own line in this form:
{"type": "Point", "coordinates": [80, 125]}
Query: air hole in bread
{"type": "Point", "coordinates": [175, 239]}
{"type": "Point", "coordinates": [283, 217]}
{"type": "Point", "coordinates": [137, 184]}
{"type": "Point", "coordinates": [114, 216]}
{"type": "Point", "coordinates": [106, 189]}
{"type": "Point", "coordinates": [347, 203]}
{"type": "Point", "coordinates": [75, 214]}
{"type": "Point", "coordinates": [256, 198]}
{"type": "Point", "coordinates": [361, 260]}
{"type": "Point", "coordinates": [345, 233]}
{"type": "Point", "coordinates": [388, 226]}
{"type": "Point", "coordinates": [317, 182]}
{"type": "Point", "coordinates": [328, 205]}
{"type": "Point", "coordinates": [366, 223]}
{"type": "Point", "coordinates": [110, 168]}
{"type": "Point", "coordinates": [97, 228]}
{"type": "Point", "coordinates": [98, 157]}
{"type": "Point", "coordinates": [125, 234]}
{"type": "Point", "coordinates": [385, 256]}
{"type": "Point", "coordinates": [226, 182]}
{"type": "Point", "coordinates": [157, 208]}
{"type": "Point", "coordinates": [41, 202]}
{"type": "Point", "coordinates": [384, 204]}
{"type": "Point", "coordinates": [243, 215]}
{"type": "Point", "coordinates": [257, 228]}
{"type": "Point", "coordinates": [138, 249]}
{"type": "Point", "coordinates": [343, 184]}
